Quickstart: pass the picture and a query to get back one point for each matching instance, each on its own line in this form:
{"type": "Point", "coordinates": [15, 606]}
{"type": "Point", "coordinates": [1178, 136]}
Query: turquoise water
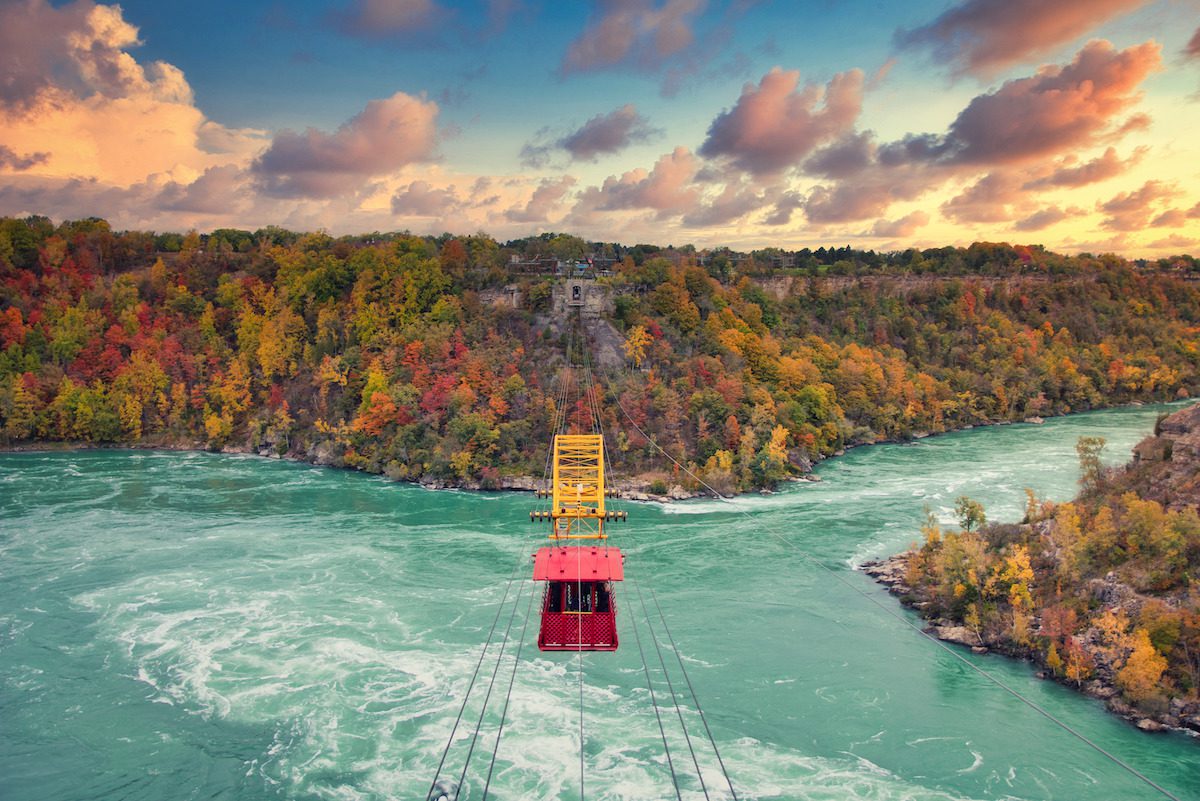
{"type": "Point", "coordinates": [199, 626]}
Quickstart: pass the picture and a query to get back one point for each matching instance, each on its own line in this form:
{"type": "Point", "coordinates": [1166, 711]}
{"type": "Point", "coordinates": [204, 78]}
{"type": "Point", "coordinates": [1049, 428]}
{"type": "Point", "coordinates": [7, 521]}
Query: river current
{"type": "Point", "coordinates": [203, 626]}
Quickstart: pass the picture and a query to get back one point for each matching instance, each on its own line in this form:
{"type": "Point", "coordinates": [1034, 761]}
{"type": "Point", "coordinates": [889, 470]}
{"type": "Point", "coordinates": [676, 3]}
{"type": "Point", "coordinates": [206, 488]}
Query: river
{"type": "Point", "coordinates": [203, 626]}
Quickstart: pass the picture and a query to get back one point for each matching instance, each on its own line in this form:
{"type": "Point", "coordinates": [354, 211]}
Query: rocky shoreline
{"type": "Point", "coordinates": [892, 571]}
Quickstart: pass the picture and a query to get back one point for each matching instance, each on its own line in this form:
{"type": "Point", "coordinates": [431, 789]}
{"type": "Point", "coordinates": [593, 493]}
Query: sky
{"type": "Point", "coordinates": [1072, 124]}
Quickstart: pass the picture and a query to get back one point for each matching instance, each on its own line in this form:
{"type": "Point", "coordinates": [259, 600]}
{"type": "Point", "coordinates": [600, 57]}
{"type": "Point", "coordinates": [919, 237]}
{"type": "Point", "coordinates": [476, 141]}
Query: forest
{"type": "Point", "coordinates": [404, 355]}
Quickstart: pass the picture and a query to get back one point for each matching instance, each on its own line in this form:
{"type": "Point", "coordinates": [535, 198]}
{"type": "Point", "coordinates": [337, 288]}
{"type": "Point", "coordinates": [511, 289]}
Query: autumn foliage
{"type": "Point", "coordinates": [1100, 590]}
{"type": "Point", "coordinates": [406, 355]}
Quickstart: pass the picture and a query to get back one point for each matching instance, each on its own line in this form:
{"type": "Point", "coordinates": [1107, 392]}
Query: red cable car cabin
{"type": "Point", "coordinates": [579, 612]}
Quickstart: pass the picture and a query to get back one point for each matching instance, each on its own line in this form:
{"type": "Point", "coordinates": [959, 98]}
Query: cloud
{"type": "Point", "coordinates": [1067, 174]}
{"type": "Point", "coordinates": [987, 200]}
{"type": "Point", "coordinates": [776, 124]}
{"type": "Point", "coordinates": [77, 51]}
{"type": "Point", "coordinates": [546, 198]}
{"type": "Point", "coordinates": [668, 189]}
{"type": "Point", "coordinates": [905, 227]}
{"type": "Point", "coordinates": [871, 192]}
{"type": "Point", "coordinates": [420, 199]}
{"type": "Point", "coordinates": [640, 32]}
{"type": "Point", "coordinates": [1055, 110]}
{"type": "Point", "coordinates": [217, 191]}
{"type": "Point", "coordinates": [1130, 211]}
{"type": "Point", "coordinates": [71, 92]}
{"type": "Point", "coordinates": [733, 202]}
{"type": "Point", "coordinates": [603, 134]}
{"type": "Point", "coordinates": [385, 136]}
{"type": "Point", "coordinates": [1044, 218]}
{"type": "Point", "coordinates": [608, 133]}
{"type": "Point", "coordinates": [1171, 218]}
{"type": "Point", "coordinates": [984, 37]}
{"type": "Point", "coordinates": [380, 19]}
{"type": "Point", "coordinates": [10, 160]}
{"type": "Point", "coordinates": [848, 155]}
{"type": "Point", "coordinates": [1192, 49]}
{"type": "Point", "coordinates": [787, 203]}
{"type": "Point", "coordinates": [1176, 242]}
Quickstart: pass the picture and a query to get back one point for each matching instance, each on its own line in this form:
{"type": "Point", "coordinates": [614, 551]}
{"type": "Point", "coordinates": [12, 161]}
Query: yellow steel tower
{"type": "Point", "coordinates": [578, 490]}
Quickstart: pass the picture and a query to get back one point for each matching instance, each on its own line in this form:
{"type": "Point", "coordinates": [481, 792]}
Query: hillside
{"type": "Point", "coordinates": [435, 359]}
{"type": "Point", "coordinates": [1101, 592]}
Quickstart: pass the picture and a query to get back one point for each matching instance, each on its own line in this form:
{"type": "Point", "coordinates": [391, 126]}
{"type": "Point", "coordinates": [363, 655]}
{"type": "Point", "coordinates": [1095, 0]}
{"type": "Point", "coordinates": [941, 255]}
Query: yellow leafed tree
{"type": "Point", "coordinates": [1143, 669]}
{"type": "Point", "coordinates": [635, 344]}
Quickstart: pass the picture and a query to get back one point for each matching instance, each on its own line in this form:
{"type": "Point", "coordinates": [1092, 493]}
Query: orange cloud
{"type": "Point", "coordinates": [1044, 218]}
{"type": "Point", "coordinates": [1067, 174]}
{"type": "Point", "coordinates": [73, 97]}
{"type": "Point", "coordinates": [986, 201]}
{"type": "Point", "coordinates": [776, 124]}
{"type": "Point", "coordinates": [544, 202]}
{"type": "Point", "coordinates": [905, 227]}
{"type": "Point", "coordinates": [667, 189]}
{"type": "Point", "coordinates": [632, 30]}
{"type": "Point", "coordinates": [1056, 110]}
{"type": "Point", "coordinates": [385, 136]}
{"type": "Point", "coordinates": [983, 37]}
{"type": "Point", "coordinates": [1130, 211]}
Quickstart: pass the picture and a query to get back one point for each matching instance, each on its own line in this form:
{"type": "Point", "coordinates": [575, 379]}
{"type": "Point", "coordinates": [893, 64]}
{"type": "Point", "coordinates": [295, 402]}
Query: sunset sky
{"type": "Point", "coordinates": [1074, 124]}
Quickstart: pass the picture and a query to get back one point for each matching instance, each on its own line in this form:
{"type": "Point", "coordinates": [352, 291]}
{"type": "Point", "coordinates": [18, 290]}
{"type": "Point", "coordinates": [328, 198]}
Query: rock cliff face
{"type": "Point", "coordinates": [1167, 465]}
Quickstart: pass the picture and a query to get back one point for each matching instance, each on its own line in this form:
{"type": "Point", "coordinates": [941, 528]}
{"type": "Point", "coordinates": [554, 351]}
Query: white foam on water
{"type": "Point", "coordinates": [975, 765]}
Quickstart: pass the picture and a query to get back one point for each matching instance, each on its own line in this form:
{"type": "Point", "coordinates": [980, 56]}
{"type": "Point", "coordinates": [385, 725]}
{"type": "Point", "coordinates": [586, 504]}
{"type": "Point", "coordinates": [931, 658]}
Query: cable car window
{"type": "Point", "coordinates": [602, 598]}
{"type": "Point", "coordinates": [554, 599]}
{"type": "Point", "coordinates": [577, 597]}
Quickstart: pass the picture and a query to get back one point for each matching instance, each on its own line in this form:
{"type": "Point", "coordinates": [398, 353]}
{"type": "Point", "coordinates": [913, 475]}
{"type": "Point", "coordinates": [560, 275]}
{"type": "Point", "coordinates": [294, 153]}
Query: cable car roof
{"type": "Point", "coordinates": [595, 563]}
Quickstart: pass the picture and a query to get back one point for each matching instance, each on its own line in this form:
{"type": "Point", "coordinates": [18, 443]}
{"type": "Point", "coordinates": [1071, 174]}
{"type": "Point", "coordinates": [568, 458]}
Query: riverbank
{"type": "Point", "coordinates": [1097, 592]}
{"type": "Point", "coordinates": [637, 488]}
{"type": "Point", "coordinates": [1180, 716]}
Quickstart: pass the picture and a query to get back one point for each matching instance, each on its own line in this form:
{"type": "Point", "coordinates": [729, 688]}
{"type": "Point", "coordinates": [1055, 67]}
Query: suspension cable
{"type": "Point", "coordinates": [508, 695]}
{"type": "Point", "coordinates": [471, 685]}
{"type": "Point", "coordinates": [671, 686]}
{"type": "Point", "coordinates": [653, 701]}
{"type": "Point", "coordinates": [892, 613]}
{"type": "Point", "coordinates": [488, 696]}
{"type": "Point", "coordinates": [692, 690]}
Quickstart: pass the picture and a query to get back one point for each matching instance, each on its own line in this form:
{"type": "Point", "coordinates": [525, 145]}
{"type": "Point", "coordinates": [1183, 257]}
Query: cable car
{"type": "Point", "coordinates": [578, 608]}
{"type": "Point", "coordinates": [579, 612]}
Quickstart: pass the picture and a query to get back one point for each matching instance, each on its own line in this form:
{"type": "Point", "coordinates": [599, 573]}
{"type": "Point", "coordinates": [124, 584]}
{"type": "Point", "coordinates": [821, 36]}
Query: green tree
{"type": "Point", "coordinates": [1091, 468]}
{"type": "Point", "coordinates": [970, 513]}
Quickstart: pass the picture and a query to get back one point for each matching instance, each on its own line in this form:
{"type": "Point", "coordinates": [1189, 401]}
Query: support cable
{"type": "Point", "coordinates": [508, 695]}
{"type": "Point", "coordinates": [471, 686]}
{"type": "Point", "coordinates": [909, 623]}
{"type": "Point", "coordinates": [692, 690]}
{"type": "Point", "coordinates": [653, 701]}
{"type": "Point", "coordinates": [488, 696]}
{"type": "Point", "coordinates": [671, 686]}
